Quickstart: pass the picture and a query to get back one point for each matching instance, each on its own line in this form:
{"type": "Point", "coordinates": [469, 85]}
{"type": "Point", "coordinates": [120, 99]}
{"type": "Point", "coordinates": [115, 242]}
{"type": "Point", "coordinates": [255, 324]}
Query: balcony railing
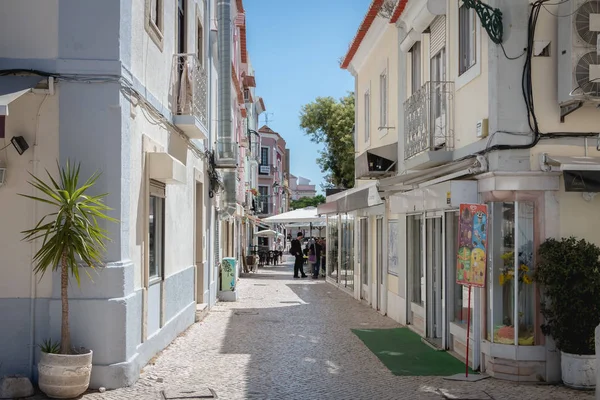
{"type": "Point", "coordinates": [267, 169]}
{"type": "Point", "coordinates": [429, 118]}
{"type": "Point", "coordinates": [190, 87]}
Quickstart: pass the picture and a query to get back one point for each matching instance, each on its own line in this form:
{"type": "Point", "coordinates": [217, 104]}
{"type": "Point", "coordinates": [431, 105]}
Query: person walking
{"type": "Point", "coordinates": [296, 251]}
{"type": "Point", "coordinates": [314, 257]}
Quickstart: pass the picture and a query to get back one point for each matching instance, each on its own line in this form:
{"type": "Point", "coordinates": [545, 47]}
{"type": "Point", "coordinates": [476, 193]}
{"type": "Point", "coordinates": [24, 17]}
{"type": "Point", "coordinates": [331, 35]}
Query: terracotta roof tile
{"type": "Point", "coordinates": [398, 11]}
{"type": "Point", "coordinates": [362, 31]}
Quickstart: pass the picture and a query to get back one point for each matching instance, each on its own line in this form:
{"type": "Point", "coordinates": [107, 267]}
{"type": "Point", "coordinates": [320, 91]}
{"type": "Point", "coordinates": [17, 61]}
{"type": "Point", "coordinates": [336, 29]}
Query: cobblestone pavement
{"type": "Point", "coordinates": [290, 339]}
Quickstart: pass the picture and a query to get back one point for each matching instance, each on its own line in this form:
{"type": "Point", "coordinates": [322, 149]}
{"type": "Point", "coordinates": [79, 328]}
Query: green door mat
{"type": "Point", "coordinates": [403, 353]}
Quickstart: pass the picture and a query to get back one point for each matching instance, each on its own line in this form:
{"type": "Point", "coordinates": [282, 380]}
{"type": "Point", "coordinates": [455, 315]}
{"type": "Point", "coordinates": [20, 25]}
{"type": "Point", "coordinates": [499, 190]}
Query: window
{"type": "Point", "coordinates": [511, 298]}
{"type": "Point", "coordinates": [347, 235]}
{"type": "Point", "coordinates": [459, 293]}
{"type": "Point", "coordinates": [383, 100]}
{"type": "Point", "coordinates": [264, 156]}
{"type": "Point", "coordinates": [200, 43]}
{"type": "Point", "coordinates": [414, 227]}
{"type": "Point", "coordinates": [367, 116]}
{"type": "Point", "coordinates": [263, 199]}
{"type": "Point", "coordinates": [415, 68]}
{"type": "Point", "coordinates": [181, 26]}
{"type": "Point", "coordinates": [466, 39]}
{"type": "Point", "coordinates": [156, 13]}
{"type": "Point", "coordinates": [393, 267]}
{"type": "Point", "coordinates": [156, 239]}
{"type": "Point", "coordinates": [438, 78]}
{"type": "Point", "coordinates": [154, 21]}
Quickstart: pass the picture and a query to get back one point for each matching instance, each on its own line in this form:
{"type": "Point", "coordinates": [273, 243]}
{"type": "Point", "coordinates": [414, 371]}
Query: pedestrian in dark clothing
{"type": "Point", "coordinates": [296, 251]}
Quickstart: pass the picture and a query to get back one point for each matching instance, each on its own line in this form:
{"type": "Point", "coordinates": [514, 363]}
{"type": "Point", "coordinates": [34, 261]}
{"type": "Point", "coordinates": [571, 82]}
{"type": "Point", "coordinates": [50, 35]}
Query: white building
{"type": "Point", "coordinates": [480, 121]}
{"type": "Point", "coordinates": [301, 187]}
{"type": "Point", "coordinates": [130, 89]}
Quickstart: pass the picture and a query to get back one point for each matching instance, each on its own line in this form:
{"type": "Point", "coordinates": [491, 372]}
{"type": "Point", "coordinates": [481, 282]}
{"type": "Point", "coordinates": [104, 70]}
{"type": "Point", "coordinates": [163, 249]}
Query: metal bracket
{"type": "Point", "coordinates": [568, 109]}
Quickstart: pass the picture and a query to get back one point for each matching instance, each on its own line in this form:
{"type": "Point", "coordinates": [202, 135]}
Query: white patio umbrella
{"type": "Point", "coordinates": [307, 215]}
{"type": "Point", "coordinates": [267, 233]}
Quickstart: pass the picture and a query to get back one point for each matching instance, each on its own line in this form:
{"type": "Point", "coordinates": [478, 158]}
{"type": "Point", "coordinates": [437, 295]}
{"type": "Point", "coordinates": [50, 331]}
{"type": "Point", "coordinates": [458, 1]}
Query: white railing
{"type": "Point", "coordinates": [428, 119]}
{"type": "Point", "coordinates": [190, 83]}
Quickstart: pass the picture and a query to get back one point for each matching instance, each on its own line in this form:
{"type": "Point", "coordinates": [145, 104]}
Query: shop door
{"type": "Point", "coordinates": [379, 283]}
{"type": "Point", "coordinates": [364, 257]}
{"type": "Point", "coordinates": [434, 268]}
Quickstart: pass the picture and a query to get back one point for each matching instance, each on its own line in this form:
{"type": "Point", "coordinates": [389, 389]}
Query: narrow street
{"type": "Point", "coordinates": [291, 339]}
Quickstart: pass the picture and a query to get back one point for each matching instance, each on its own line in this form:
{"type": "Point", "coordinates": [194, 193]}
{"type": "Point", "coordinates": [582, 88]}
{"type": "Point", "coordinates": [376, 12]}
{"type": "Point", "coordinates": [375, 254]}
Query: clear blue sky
{"type": "Point", "coordinates": [294, 48]}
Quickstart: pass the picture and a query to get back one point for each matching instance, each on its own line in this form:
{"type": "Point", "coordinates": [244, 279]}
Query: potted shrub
{"type": "Point", "coordinates": [569, 274]}
{"type": "Point", "coordinates": [70, 238]}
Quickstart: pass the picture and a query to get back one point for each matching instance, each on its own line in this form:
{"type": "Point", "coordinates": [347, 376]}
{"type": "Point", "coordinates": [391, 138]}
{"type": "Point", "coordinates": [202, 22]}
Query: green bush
{"type": "Point", "coordinates": [569, 274]}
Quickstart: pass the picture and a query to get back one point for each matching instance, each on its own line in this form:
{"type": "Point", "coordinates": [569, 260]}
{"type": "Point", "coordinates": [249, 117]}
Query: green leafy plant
{"type": "Point", "coordinates": [71, 235]}
{"type": "Point", "coordinates": [49, 346]}
{"type": "Point", "coordinates": [569, 273]}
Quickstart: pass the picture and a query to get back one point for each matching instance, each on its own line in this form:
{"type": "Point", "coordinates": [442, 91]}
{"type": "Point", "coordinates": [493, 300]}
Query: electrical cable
{"type": "Point", "coordinates": [6, 147]}
{"type": "Point", "coordinates": [512, 58]}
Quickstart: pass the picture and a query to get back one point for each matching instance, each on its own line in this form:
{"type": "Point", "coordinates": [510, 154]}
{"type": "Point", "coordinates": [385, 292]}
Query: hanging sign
{"type": "Point", "coordinates": [472, 245]}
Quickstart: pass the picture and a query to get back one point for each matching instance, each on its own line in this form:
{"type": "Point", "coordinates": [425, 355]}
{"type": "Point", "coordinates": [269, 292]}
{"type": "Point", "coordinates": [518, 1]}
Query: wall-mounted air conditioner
{"type": "Point", "coordinates": [578, 52]}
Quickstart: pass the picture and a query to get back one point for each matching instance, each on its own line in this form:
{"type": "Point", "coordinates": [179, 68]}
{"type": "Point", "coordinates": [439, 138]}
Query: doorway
{"type": "Point", "coordinates": [434, 257]}
{"type": "Point", "coordinates": [364, 258]}
{"type": "Point", "coordinates": [379, 263]}
{"type": "Point", "coordinates": [201, 279]}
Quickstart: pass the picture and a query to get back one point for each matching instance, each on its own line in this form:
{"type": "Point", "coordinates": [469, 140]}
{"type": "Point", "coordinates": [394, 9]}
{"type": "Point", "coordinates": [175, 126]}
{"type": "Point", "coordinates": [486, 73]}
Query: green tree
{"type": "Point", "coordinates": [331, 122]}
{"type": "Point", "coordinates": [71, 234]}
{"type": "Point", "coordinates": [307, 202]}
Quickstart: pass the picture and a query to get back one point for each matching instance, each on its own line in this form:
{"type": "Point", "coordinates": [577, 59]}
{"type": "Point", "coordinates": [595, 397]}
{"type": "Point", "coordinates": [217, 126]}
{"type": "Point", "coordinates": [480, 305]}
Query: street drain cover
{"type": "Point", "coordinates": [290, 302]}
{"type": "Point", "coordinates": [189, 394]}
{"type": "Point", "coordinates": [246, 313]}
{"type": "Point", "coordinates": [260, 284]}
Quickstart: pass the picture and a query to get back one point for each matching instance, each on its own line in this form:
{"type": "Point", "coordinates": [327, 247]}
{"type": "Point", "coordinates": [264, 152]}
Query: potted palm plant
{"type": "Point", "coordinates": [71, 238]}
{"type": "Point", "coordinates": [569, 274]}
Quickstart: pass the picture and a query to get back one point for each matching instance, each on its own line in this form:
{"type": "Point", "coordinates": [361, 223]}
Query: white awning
{"type": "Point", "coordinates": [431, 176]}
{"type": "Point", "coordinates": [352, 199]}
{"type": "Point", "coordinates": [13, 87]}
{"type": "Point", "coordinates": [307, 214]}
{"type": "Point", "coordinates": [580, 174]}
{"type": "Point", "coordinates": [565, 163]}
{"type": "Point", "coordinates": [165, 168]}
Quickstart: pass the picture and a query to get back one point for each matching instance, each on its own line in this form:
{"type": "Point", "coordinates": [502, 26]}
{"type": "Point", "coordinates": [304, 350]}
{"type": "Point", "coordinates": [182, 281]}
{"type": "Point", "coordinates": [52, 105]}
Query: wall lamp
{"type": "Point", "coordinates": [20, 144]}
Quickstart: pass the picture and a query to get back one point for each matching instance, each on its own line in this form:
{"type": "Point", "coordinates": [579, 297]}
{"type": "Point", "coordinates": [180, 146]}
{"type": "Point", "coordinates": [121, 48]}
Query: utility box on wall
{"type": "Point", "coordinates": [227, 282]}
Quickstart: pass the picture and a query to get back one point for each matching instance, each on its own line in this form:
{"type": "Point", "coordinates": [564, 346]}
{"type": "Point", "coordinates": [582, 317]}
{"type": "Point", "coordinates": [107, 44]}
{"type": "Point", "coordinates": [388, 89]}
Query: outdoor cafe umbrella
{"type": "Point", "coordinates": [267, 233]}
{"type": "Point", "coordinates": [302, 215]}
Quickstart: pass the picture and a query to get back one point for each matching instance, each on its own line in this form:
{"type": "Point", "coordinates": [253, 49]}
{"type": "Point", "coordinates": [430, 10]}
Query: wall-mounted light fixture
{"type": "Point", "coordinates": [20, 144]}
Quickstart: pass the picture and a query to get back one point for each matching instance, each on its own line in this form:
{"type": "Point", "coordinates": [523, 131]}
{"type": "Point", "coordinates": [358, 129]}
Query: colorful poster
{"type": "Point", "coordinates": [472, 245]}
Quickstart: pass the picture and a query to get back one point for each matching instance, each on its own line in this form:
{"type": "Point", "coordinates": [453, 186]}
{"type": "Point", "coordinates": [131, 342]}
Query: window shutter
{"type": "Point", "coordinates": [437, 35]}
{"type": "Point", "coordinates": [157, 189]}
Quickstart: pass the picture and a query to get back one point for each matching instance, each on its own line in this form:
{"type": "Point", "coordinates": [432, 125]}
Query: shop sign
{"type": "Point", "coordinates": [472, 245]}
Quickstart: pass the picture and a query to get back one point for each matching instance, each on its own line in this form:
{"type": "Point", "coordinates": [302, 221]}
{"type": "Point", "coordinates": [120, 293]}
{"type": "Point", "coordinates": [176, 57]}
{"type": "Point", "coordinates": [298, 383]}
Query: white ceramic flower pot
{"type": "Point", "coordinates": [64, 376]}
{"type": "Point", "coordinates": [578, 372]}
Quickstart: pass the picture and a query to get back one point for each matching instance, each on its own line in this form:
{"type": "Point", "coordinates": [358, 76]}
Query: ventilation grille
{"type": "Point", "coordinates": [582, 22]}
{"type": "Point", "coordinates": [585, 71]}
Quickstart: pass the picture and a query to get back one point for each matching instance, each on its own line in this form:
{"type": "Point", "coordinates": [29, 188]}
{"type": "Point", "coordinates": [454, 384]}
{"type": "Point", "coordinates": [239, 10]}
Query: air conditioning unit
{"type": "Point", "coordinates": [578, 52]}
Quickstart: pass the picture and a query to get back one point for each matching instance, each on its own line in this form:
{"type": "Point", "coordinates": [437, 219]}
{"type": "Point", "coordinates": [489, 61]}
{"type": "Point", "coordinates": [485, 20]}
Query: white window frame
{"type": "Point", "coordinates": [383, 101]}
{"type": "Point", "coordinates": [415, 73]}
{"type": "Point", "coordinates": [367, 116]}
{"type": "Point", "coordinates": [157, 194]}
{"type": "Point", "coordinates": [200, 40]}
{"type": "Point", "coordinates": [475, 69]}
{"type": "Point", "coordinates": [155, 29]}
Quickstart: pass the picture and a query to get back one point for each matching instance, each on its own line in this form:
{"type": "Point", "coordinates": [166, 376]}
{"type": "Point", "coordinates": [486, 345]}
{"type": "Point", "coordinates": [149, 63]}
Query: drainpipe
{"type": "Point", "coordinates": [208, 46]}
{"type": "Point", "coordinates": [226, 156]}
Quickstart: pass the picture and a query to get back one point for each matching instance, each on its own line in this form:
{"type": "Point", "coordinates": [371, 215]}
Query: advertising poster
{"type": "Point", "coordinates": [472, 245]}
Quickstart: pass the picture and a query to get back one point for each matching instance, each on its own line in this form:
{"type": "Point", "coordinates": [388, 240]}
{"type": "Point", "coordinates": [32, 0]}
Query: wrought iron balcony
{"type": "Point", "coordinates": [190, 95]}
{"type": "Point", "coordinates": [267, 169]}
{"type": "Point", "coordinates": [428, 119]}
